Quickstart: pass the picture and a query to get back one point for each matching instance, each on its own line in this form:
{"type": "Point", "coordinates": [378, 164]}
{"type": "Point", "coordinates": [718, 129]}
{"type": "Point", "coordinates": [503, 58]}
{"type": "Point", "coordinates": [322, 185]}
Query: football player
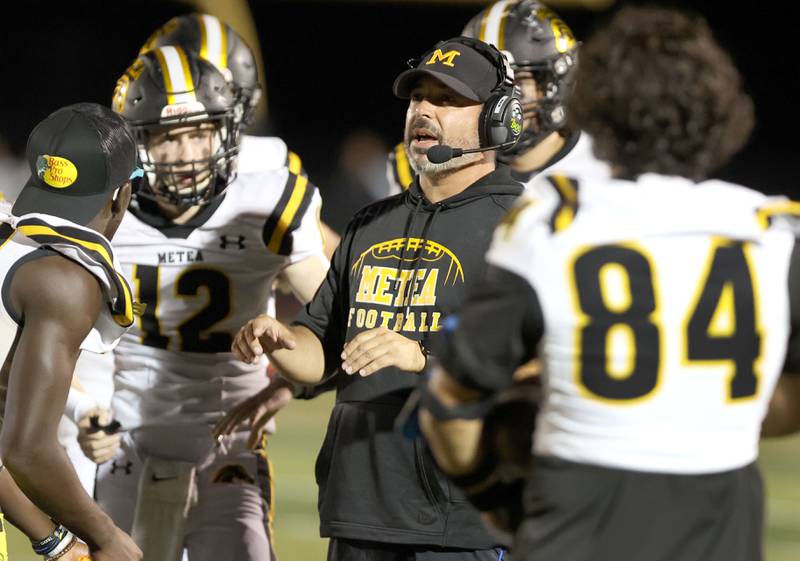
{"type": "Point", "coordinates": [211, 39]}
{"type": "Point", "coordinates": [662, 303]}
{"type": "Point", "coordinates": [203, 246]}
{"type": "Point", "coordinates": [64, 294]}
{"type": "Point", "coordinates": [217, 42]}
{"type": "Point", "coordinates": [543, 53]}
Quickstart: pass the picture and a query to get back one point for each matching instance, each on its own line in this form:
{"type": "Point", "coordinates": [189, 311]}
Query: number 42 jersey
{"type": "Point", "coordinates": [666, 309]}
{"type": "Point", "coordinates": [200, 282]}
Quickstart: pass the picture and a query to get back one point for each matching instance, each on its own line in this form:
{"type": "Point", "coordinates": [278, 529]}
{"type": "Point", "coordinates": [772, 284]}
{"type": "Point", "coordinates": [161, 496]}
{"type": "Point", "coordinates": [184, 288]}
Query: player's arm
{"type": "Point", "coordinates": [302, 242]}
{"type": "Point", "coordinates": [59, 302]}
{"type": "Point", "coordinates": [329, 236]}
{"type": "Point", "coordinates": [20, 511]}
{"type": "Point", "coordinates": [495, 332]}
{"type": "Point", "coordinates": [305, 351]}
{"type": "Point", "coordinates": [331, 239]}
{"type": "Point", "coordinates": [305, 276]}
{"type": "Point", "coordinates": [36, 525]}
{"type": "Point", "coordinates": [783, 413]}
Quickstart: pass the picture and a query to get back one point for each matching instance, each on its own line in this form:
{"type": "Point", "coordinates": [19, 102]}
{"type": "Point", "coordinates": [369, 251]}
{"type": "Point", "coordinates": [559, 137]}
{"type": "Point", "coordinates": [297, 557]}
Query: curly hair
{"type": "Point", "coordinates": [659, 95]}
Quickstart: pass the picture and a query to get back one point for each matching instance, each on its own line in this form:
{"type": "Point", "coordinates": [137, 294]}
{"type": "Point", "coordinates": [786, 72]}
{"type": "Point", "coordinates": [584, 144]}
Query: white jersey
{"type": "Point", "coordinates": [199, 284]}
{"type": "Point", "coordinates": [579, 161]}
{"type": "Point", "coordinates": [263, 153]}
{"type": "Point", "coordinates": [21, 237]}
{"type": "Point", "coordinates": [655, 296]}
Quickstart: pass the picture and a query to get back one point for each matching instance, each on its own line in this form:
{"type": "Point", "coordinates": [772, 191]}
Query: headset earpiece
{"type": "Point", "coordinates": [501, 118]}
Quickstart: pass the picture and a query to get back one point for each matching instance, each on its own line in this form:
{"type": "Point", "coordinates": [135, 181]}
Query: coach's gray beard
{"type": "Point", "coordinates": [423, 166]}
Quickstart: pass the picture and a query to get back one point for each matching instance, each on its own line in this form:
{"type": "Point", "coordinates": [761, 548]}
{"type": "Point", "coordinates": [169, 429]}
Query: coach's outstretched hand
{"type": "Point", "coordinates": [378, 348]}
{"type": "Point", "coordinates": [261, 335]}
{"type": "Point", "coordinates": [258, 409]}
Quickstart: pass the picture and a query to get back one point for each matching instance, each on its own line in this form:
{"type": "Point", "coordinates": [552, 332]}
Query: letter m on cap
{"type": "Point", "coordinates": [445, 58]}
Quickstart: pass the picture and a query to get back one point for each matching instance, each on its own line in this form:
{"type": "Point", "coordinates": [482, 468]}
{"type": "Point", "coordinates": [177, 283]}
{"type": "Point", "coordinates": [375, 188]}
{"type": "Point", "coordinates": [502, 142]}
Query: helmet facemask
{"type": "Point", "coordinates": [247, 100]}
{"type": "Point", "coordinates": [544, 113]}
{"type": "Point", "coordinates": [188, 162]}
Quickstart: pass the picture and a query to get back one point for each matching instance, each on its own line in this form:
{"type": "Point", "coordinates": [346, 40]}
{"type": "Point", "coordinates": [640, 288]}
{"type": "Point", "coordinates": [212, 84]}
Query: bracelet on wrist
{"type": "Point", "coordinates": [62, 549]}
{"type": "Point", "coordinates": [60, 535]}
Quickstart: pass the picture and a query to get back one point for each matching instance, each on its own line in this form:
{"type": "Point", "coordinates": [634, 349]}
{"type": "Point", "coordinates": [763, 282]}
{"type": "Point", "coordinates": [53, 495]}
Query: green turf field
{"type": "Point", "coordinates": [301, 428]}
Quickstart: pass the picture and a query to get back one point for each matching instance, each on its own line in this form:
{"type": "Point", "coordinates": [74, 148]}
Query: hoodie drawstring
{"type": "Point", "coordinates": [406, 232]}
{"type": "Point", "coordinates": [408, 296]}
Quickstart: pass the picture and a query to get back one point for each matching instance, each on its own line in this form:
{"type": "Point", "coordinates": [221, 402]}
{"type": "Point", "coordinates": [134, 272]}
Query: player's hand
{"type": "Point", "coordinates": [378, 348]}
{"type": "Point", "coordinates": [119, 547]}
{"type": "Point", "coordinates": [258, 410]}
{"type": "Point", "coordinates": [97, 445]}
{"type": "Point", "coordinates": [260, 335]}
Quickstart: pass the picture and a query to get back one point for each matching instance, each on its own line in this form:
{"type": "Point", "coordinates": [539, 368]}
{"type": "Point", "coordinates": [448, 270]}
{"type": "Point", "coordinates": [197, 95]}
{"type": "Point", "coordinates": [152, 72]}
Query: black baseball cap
{"type": "Point", "coordinates": [458, 64]}
{"type": "Point", "coordinates": [78, 157]}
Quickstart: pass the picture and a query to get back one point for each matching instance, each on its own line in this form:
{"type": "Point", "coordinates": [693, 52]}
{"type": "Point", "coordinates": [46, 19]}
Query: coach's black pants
{"type": "Point", "coordinates": [355, 550]}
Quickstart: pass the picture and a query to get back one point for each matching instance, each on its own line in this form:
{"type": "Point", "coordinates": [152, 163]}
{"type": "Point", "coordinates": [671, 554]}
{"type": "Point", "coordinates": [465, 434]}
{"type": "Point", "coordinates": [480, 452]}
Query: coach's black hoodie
{"type": "Point", "coordinates": [374, 483]}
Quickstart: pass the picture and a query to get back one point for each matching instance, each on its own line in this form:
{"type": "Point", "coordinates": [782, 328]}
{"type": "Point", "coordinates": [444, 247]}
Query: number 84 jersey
{"type": "Point", "coordinates": [666, 317]}
{"type": "Point", "coordinates": [196, 285]}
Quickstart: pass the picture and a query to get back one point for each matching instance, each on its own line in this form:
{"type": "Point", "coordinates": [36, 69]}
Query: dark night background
{"type": "Point", "coordinates": [330, 66]}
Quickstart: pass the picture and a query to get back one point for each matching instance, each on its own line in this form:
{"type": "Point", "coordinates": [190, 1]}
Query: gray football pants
{"type": "Point", "coordinates": [228, 517]}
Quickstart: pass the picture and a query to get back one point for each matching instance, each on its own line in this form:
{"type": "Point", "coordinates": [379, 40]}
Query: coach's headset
{"type": "Point", "coordinates": [500, 123]}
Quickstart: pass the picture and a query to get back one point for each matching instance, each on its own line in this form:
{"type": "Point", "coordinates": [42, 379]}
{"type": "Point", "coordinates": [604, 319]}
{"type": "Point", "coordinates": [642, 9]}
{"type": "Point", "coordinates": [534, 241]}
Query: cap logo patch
{"type": "Point", "coordinates": [55, 171]}
{"type": "Point", "coordinates": [445, 58]}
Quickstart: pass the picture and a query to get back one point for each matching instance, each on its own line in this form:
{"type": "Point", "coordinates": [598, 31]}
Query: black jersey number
{"type": "Point", "coordinates": [631, 317]}
{"type": "Point", "coordinates": [195, 333]}
{"type": "Point", "coordinates": [721, 325]}
{"type": "Point", "coordinates": [146, 280]}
